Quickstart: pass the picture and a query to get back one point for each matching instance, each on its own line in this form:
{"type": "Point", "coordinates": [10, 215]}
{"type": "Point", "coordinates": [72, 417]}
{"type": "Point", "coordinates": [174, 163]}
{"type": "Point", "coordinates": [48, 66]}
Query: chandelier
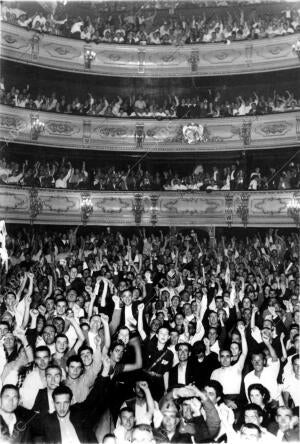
{"type": "Point", "coordinates": [296, 49]}
{"type": "Point", "coordinates": [87, 207]}
{"type": "Point", "coordinates": [89, 56]}
{"type": "Point", "coordinates": [37, 127]}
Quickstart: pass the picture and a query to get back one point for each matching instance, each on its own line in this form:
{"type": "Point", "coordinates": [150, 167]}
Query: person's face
{"type": "Point", "coordinates": [74, 370]}
{"type": "Point", "coordinates": [251, 435]}
{"type": "Point", "coordinates": [174, 337]}
{"type": "Point", "coordinates": [169, 421]}
{"type": "Point", "coordinates": [95, 323]}
{"type": "Point", "coordinates": [211, 393]}
{"type": "Point", "coordinates": [187, 310]}
{"type": "Point", "coordinates": [258, 363]}
{"type": "Point", "coordinates": [256, 397]}
{"type": "Point", "coordinates": [246, 303]}
{"type": "Point", "coordinates": [61, 307]}
{"type": "Point", "coordinates": [49, 305]}
{"type": "Point", "coordinates": [49, 334]}
{"type": "Point", "coordinates": [178, 319]}
{"type": "Point", "coordinates": [80, 301]}
{"type": "Point", "coordinates": [72, 296]}
{"type": "Point", "coordinates": [10, 300]}
{"type": "Point", "coordinates": [62, 405]}
{"type": "Point", "coordinates": [86, 357]}
{"type": "Point", "coordinates": [183, 353]}
{"type": "Point", "coordinates": [59, 325]}
{"type": "Point", "coordinates": [61, 345]}
{"type": "Point", "coordinates": [186, 410]}
{"type": "Point", "coordinates": [127, 420]}
{"type": "Point", "coordinates": [225, 359]}
{"type": "Point", "coordinates": [235, 350]}
{"type": "Point", "coordinates": [9, 400]}
{"type": "Point", "coordinates": [163, 335]}
{"type": "Point", "coordinates": [42, 359]}
{"type": "Point", "coordinates": [212, 336]}
{"type": "Point", "coordinates": [155, 324]}
{"type": "Point", "coordinates": [127, 297]}
{"type": "Point", "coordinates": [53, 378]}
{"type": "Point", "coordinates": [3, 330]}
{"type": "Point", "coordinates": [213, 319]}
{"type": "Point", "coordinates": [283, 419]}
{"type": "Point", "coordinates": [123, 335]}
{"type": "Point", "coordinates": [219, 303]}
{"type": "Point", "coordinates": [252, 417]}
{"type": "Point", "coordinates": [117, 353]}
{"type": "Point", "coordinates": [142, 437]}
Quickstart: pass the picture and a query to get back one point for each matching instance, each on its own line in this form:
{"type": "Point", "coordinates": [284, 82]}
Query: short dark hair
{"type": "Point", "coordinates": [255, 407]}
{"type": "Point", "coordinates": [61, 335]}
{"type": "Point", "coordinates": [74, 358]}
{"type": "Point", "coordinates": [55, 367]}
{"type": "Point", "coordinates": [85, 347]}
{"type": "Point", "coordinates": [126, 409]}
{"type": "Point", "coordinates": [9, 387]}
{"type": "Point", "coordinates": [42, 348]}
{"type": "Point", "coordinates": [62, 390]}
{"type": "Point", "coordinates": [218, 388]}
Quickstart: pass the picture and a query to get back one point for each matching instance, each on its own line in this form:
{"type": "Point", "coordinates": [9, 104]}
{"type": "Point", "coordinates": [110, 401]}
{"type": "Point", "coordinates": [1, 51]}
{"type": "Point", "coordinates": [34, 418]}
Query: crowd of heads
{"type": "Point", "coordinates": [212, 104]}
{"type": "Point", "coordinates": [170, 335]}
{"type": "Point", "coordinates": [150, 24]}
{"type": "Point", "coordinates": [137, 177]}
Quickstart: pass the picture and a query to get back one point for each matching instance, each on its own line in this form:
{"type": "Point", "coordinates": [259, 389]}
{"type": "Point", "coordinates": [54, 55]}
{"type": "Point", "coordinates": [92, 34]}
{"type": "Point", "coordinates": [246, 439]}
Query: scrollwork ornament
{"type": "Point", "coordinates": [229, 208]}
{"type": "Point", "coordinates": [35, 204]}
{"type": "Point", "coordinates": [243, 208]}
{"type": "Point", "coordinates": [138, 208]}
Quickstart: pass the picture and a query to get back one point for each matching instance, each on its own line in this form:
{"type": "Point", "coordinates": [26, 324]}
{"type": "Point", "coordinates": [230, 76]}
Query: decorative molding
{"type": "Point", "coordinates": [35, 204]}
{"type": "Point", "coordinates": [82, 132]}
{"type": "Point", "coordinates": [226, 209]}
{"type": "Point", "coordinates": [242, 209]}
{"type": "Point", "coordinates": [211, 59]}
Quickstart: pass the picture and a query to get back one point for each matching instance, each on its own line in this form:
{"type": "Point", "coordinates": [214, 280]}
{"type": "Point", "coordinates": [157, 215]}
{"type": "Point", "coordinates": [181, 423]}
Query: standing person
{"type": "Point", "coordinates": [44, 402]}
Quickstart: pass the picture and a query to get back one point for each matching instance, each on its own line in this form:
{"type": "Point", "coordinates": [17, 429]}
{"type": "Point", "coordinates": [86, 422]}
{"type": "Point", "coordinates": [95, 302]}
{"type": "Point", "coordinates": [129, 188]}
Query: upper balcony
{"type": "Point", "coordinates": [214, 59]}
{"type": "Point", "coordinates": [20, 125]}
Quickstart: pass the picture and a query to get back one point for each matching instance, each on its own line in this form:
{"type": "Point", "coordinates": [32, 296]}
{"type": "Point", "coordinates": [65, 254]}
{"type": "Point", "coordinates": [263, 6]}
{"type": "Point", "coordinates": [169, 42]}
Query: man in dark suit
{"type": "Point", "coordinates": [44, 402]}
{"type": "Point", "coordinates": [68, 423]}
{"type": "Point", "coordinates": [183, 372]}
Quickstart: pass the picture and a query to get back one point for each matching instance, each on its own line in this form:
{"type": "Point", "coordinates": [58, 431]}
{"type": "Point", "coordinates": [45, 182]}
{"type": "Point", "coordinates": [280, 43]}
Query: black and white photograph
{"type": "Point", "coordinates": [149, 221]}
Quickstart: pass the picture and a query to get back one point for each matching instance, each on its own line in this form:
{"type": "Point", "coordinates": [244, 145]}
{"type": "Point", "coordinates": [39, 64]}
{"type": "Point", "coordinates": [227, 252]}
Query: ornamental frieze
{"type": "Point", "coordinates": [112, 205]}
{"type": "Point", "coordinates": [269, 205]}
{"type": "Point", "coordinates": [12, 122]}
{"type": "Point", "coordinates": [62, 51]}
{"type": "Point", "coordinates": [61, 128]}
{"type": "Point", "coordinates": [114, 131]}
{"type": "Point", "coordinates": [271, 129]}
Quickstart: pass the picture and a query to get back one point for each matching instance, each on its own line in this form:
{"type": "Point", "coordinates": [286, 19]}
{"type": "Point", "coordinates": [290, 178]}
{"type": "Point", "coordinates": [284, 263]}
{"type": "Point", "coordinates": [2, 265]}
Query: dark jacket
{"type": "Point", "coordinates": [22, 432]}
{"type": "Point", "coordinates": [41, 403]}
{"type": "Point", "coordinates": [189, 375]}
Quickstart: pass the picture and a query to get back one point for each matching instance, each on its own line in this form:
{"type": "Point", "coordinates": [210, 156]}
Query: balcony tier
{"type": "Point", "coordinates": [112, 134]}
{"type": "Point", "coordinates": [63, 207]}
{"type": "Point", "coordinates": [212, 59]}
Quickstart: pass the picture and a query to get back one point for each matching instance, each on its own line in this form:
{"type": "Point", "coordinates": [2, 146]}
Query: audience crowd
{"type": "Point", "coordinates": [145, 24]}
{"type": "Point", "coordinates": [212, 104]}
{"type": "Point", "coordinates": [138, 178]}
{"type": "Point", "coordinates": [149, 337]}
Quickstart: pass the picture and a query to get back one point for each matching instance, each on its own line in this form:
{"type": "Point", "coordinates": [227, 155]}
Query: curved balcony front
{"type": "Point", "coordinates": [213, 59]}
{"type": "Point", "coordinates": [64, 207]}
{"type": "Point", "coordinates": [126, 134]}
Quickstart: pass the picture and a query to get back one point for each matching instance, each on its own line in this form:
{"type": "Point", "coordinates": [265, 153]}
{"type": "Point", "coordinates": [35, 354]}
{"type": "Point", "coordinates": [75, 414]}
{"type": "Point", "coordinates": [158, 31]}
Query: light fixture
{"type": "Point", "coordinates": [296, 49]}
{"type": "Point", "coordinates": [293, 209]}
{"type": "Point", "coordinates": [87, 207]}
{"type": "Point", "coordinates": [89, 56]}
{"type": "Point", "coordinates": [37, 127]}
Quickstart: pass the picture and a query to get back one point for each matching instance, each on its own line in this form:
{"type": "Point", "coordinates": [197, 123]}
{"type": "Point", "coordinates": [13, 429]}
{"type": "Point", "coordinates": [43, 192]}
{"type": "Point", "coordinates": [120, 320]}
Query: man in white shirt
{"type": "Point", "coordinates": [265, 372]}
{"type": "Point", "coordinates": [230, 376]}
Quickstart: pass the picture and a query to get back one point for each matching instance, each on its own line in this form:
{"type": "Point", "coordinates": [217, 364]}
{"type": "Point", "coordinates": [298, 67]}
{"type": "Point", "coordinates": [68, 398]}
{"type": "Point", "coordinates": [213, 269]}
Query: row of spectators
{"type": "Point", "coordinates": [109, 178]}
{"type": "Point", "coordinates": [213, 324]}
{"type": "Point", "coordinates": [212, 104]}
{"type": "Point", "coordinates": [144, 26]}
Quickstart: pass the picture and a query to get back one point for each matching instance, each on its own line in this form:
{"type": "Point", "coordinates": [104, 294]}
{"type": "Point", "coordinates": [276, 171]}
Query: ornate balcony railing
{"type": "Point", "coordinates": [218, 208]}
{"type": "Point", "coordinates": [99, 133]}
{"type": "Point", "coordinates": [212, 59]}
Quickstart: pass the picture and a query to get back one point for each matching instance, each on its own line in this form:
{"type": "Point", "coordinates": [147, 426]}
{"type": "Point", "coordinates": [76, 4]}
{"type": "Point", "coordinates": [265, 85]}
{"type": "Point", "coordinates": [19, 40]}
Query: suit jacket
{"type": "Point", "coordinates": [22, 432]}
{"type": "Point", "coordinates": [83, 416]}
{"type": "Point", "coordinates": [189, 375]}
{"type": "Point", "coordinates": [41, 403]}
